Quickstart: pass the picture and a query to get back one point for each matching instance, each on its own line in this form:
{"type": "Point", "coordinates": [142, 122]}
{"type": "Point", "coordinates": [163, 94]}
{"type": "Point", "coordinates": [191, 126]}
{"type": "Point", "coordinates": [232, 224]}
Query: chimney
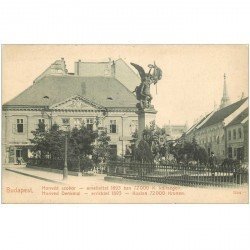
{"type": "Point", "coordinates": [77, 67]}
{"type": "Point", "coordinates": [113, 69]}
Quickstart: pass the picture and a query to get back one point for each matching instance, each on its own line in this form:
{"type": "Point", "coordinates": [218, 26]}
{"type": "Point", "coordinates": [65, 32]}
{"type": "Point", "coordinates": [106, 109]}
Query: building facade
{"type": "Point", "coordinates": [224, 131]}
{"type": "Point", "coordinates": [237, 137]}
{"type": "Point", "coordinates": [56, 96]}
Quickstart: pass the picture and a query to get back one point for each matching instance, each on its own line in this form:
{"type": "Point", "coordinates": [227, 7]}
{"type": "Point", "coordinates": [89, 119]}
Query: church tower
{"type": "Point", "coordinates": [225, 100]}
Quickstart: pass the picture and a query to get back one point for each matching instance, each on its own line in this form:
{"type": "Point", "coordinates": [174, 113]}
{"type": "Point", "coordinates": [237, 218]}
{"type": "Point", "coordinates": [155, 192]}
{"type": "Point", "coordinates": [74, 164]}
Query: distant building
{"type": "Point", "coordinates": [175, 131]}
{"type": "Point", "coordinates": [224, 131]}
{"type": "Point", "coordinates": [57, 96]}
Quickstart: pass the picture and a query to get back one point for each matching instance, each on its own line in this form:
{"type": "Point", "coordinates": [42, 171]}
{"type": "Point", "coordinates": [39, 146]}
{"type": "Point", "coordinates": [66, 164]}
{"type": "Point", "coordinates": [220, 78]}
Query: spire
{"type": "Point", "coordinates": [225, 100]}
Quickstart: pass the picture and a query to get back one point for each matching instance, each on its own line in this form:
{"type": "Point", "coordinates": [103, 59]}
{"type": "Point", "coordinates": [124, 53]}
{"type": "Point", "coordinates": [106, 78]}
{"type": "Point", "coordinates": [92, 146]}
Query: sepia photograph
{"type": "Point", "coordinates": [125, 124]}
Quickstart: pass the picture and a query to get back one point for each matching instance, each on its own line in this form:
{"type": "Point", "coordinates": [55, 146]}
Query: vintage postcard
{"type": "Point", "coordinates": [125, 124]}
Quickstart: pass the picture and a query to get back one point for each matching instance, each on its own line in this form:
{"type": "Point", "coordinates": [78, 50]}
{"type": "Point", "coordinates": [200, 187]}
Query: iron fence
{"type": "Point", "coordinates": [177, 174]}
{"type": "Point", "coordinates": [54, 163]}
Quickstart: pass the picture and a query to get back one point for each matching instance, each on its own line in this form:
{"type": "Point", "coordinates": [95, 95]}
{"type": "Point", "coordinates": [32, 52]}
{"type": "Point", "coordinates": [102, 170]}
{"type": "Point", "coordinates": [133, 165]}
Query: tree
{"type": "Point", "coordinates": [101, 149]}
{"type": "Point", "coordinates": [188, 151]}
{"type": "Point", "coordinates": [81, 143]}
{"type": "Point", "coordinates": [48, 143]}
{"type": "Point", "coordinates": [143, 152]}
{"type": "Point", "coordinates": [55, 139]}
{"type": "Point", "coordinates": [152, 135]}
{"type": "Point", "coordinates": [39, 144]}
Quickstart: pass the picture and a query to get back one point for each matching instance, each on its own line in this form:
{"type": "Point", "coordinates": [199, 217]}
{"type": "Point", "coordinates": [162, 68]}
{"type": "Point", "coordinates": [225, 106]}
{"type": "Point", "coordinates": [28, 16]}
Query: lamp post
{"type": "Point", "coordinates": [65, 168]}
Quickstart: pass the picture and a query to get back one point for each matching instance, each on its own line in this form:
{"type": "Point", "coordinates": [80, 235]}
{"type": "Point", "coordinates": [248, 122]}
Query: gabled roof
{"type": "Point", "coordinates": [239, 118]}
{"type": "Point", "coordinates": [221, 114]}
{"type": "Point", "coordinates": [105, 91]}
{"type": "Point", "coordinates": [197, 124]}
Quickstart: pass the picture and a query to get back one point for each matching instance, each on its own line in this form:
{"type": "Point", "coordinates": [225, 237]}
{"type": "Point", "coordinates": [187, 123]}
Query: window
{"type": "Point", "coordinates": [234, 134]}
{"type": "Point", "coordinates": [65, 121]}
{"type": "Point", "coordinates": [19, 125]}
{"type": "Point", "coordinates": [41, 124]}
{"type": "Point", "coordinates": [239, 132]}
{"type": "Point", "coordinates": [41, 121]}
{"type": "Point", "coordinates": [229, 135]}
{"type": "Point", "coordinates": [77, 122]}
{"type": "Point", "coordinates": [113, 127]}
{"type": "Point", "coordinates": [230, 152]}
{"type": "Point", "coordinates": [90, 123]}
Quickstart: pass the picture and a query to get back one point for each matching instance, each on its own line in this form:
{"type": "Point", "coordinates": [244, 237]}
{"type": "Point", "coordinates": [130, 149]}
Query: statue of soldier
{"type": "Point", "coordinates": [143, 90]}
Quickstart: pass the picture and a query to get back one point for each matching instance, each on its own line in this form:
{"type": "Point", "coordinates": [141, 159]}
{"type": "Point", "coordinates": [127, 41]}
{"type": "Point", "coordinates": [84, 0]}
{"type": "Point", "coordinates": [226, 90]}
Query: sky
{"type": "Point", "coordinates": [191, 85]}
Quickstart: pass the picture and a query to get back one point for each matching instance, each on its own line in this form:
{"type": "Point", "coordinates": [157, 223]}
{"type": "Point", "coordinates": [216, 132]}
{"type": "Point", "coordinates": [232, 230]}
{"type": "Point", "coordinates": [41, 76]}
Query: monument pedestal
{"type": "Point", "coordinates": [145, 117]}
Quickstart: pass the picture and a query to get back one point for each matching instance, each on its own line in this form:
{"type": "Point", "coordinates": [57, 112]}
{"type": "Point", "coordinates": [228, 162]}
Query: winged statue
{"type": "Point", "coordinates": [143, 90]}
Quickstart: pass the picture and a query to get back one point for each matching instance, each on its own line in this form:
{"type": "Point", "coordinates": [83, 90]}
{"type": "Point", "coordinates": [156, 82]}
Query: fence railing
{"type": "Point", "coordinates": [53, 163]}
{"type": "Point", "coordinates": [180, 174]}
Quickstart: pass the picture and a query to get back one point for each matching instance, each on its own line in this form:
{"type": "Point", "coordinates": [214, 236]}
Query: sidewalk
{"type": "Point", "coordinates": [55, 177]}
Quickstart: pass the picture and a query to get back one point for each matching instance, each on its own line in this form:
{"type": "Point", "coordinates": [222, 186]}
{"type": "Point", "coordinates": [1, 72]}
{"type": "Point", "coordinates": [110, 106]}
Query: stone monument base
{"type": "Point", "coordinates": [145, 117]}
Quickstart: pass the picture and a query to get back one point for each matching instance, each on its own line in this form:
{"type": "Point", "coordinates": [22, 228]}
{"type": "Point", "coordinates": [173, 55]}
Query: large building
{"type": "Point", "coordinates": [69, 99]}
{"type": "Point", "coordinates": [224, 131]}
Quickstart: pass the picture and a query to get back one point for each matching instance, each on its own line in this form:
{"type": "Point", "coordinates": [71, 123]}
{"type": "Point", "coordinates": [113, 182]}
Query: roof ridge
{"type": "Point", "coordinates": [241, 100]}
{"type": "Point", "coordinates": [222, 114]}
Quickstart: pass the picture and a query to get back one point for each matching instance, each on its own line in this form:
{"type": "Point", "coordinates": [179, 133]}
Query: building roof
{"type": "Point", "coordinates": [105, 91]}
{"type": "Point", "coordinates": [221, 114]}
{"type": "Point", "coordinates": [239, 118]}
{"type": "Point", "coordinates": [197, 124]}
